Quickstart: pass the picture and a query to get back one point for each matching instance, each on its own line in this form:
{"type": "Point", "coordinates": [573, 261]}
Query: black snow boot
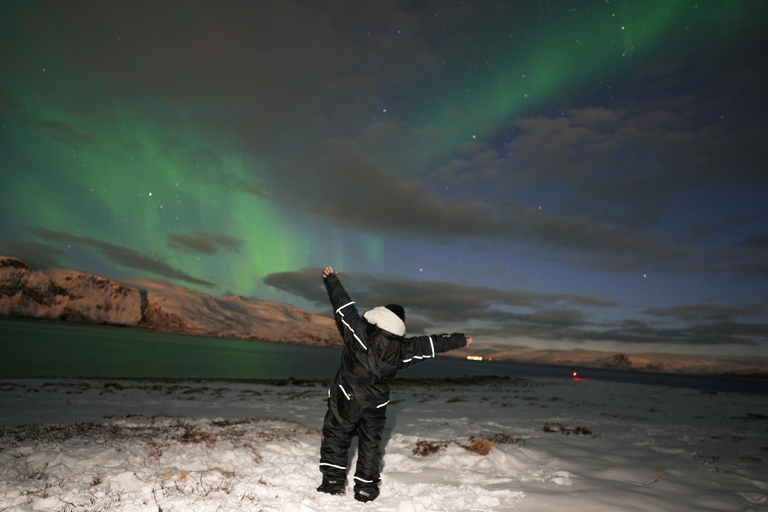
{"type": "Point", "coordinates": [366, 493]}
{"type": "Point", "coordinates": [335, 486]}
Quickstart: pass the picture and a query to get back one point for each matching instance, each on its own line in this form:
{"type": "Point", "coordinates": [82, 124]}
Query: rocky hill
{"type": "Point", "coordinates": [659, 362]}
{"type": "Point", "coordinates": [73, 296]}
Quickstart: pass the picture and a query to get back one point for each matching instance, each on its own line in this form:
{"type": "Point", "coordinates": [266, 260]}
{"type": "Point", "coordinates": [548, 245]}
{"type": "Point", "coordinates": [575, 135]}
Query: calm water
{"type": "Point", "coordinates": [36, 349]}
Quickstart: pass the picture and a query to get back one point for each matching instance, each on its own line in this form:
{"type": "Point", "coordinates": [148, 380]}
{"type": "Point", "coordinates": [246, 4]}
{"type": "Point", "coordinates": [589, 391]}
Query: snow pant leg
{"type": "Point", "coordinates": [369, 453]}
{"type": "Point", "coordinates": [334, 448]}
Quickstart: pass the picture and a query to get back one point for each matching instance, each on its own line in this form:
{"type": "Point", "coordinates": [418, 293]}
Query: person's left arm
{"type": "Point", "coordinates": [421, 348]}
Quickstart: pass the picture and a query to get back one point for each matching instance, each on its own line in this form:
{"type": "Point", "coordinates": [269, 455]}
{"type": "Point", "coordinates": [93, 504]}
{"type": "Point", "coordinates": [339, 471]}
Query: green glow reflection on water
{"type": "Point", "coordinates": [39, 349]}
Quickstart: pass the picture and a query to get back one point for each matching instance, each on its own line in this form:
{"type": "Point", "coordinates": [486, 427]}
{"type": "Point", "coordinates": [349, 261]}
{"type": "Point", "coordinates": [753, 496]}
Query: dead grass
{"type": "Point", "coordinates": [158, 434]}
{"type": "Point", "coordinates": [149, 438]}
{"type": "Point", "coordinates": [177, 475]}
{"type": "Point", "coordinates": [551, 428]}
{"type": "Point", "coordinates": [425, 448]}
{"type": "Point", "coordinates": [482, 445]}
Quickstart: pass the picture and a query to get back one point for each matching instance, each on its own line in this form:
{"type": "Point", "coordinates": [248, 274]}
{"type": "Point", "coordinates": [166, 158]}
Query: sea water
{"type": "Point", "coordinates": [47, 349]}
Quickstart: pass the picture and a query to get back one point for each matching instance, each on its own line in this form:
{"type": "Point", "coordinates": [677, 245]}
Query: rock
{"type": "Point", "coordinates": [67, 295]}
{"type": "Point", "coordinates": [73, 296]}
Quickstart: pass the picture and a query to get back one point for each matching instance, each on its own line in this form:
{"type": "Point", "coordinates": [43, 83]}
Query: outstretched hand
{"type": "Point", "coordinates": [469, 341]}
{"type": "Point", "coordinates": [328, 271]}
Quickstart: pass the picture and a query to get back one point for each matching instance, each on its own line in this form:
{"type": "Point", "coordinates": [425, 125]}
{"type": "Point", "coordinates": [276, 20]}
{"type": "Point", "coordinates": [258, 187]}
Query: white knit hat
{"type": "Point", "coordinates": [386, 320]}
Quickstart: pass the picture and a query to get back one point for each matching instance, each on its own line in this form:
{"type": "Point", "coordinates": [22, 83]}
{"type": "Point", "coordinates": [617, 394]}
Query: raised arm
{"type": "Point", "coordinates": [351, 325]}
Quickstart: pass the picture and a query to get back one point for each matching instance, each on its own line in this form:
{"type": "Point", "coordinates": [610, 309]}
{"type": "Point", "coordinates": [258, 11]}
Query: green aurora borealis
{"type": "Point", "coordinates": [219, 145]}
{"type": "Point", "coordinates": [133, 182]}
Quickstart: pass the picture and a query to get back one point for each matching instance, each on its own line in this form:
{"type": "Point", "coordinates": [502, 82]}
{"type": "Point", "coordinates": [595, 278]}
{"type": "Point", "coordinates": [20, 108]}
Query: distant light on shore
{"type": "Point", "coordinates": [475, 358]}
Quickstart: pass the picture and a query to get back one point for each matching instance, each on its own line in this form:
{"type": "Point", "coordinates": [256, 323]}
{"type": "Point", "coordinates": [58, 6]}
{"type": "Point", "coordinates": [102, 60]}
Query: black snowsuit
{"type": "Point", "coordinates": [358, 397]}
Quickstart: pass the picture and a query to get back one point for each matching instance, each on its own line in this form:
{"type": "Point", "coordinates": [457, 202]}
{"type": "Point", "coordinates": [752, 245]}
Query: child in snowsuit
{"type": "Point", "coordinates": [357, 400]}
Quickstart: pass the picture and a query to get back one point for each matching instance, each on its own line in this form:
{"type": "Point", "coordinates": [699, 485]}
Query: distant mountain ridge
{"type": "Point", "coordinates": [657, 362]}
{"type": "Point", "coordinates": [72, 296]}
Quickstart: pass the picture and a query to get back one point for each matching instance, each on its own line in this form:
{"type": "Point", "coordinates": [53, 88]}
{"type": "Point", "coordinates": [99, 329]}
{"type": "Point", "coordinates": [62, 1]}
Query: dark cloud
{"type": "Point", "coordinates": [704, 335]}
{"type": "Point", "coordinates": [707, 312]}
{"type": "Point", "coordinates": [510, 315]}
{"type": "Point", "coordinates": [305, 283]}
{"type": "Point", "coordinates": [554, 317]}
{"type": "Point", "coordinates": [274, 66]}
{"type": "Point", "coordinates": [361, 194]}
{"type": "Point", "coordinates": [206, 243]}
{"type": "Point", "coordinates": [748, 259]}
{"type": "Point", "coordinates": [120, 255]}
{"type": "Point", "coordinates": [65, 133]}
{"type": "Point", "coordinates": [440, 302]}
{"type": "Point", "coordinates": [603, 180]}
{"type": "Point", "coordinates": [756, 242]}
{"type": "Point", "coordinates": [35, 254]}
{"type": "Point", "coordinates": [630, 332]}
{"type": "Point", "coordinates": [622, 167]}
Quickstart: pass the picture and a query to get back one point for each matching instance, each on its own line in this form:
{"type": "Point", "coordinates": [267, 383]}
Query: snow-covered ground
{"type": "Point", "coordinates": [482, 444]}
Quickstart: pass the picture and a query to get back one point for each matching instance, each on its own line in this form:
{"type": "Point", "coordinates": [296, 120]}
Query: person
{"type": "Point", "coordinates": [375, 349]}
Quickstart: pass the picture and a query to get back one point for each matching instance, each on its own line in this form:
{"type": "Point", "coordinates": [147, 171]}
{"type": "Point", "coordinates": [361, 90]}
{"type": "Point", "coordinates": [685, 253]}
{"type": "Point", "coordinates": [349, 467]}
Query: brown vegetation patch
{"type": "Point", "coordinates": [566, 430]}
{"type": "Point", "coordinates": [481, 445]}
{"type": "Point", "coordinates": [158, 434]}
{"type": "Point", "coordinates": [425, 448]}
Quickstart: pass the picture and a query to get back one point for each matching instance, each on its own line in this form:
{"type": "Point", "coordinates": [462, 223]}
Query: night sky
{"type": "Point", "coordinates": [552, 174]}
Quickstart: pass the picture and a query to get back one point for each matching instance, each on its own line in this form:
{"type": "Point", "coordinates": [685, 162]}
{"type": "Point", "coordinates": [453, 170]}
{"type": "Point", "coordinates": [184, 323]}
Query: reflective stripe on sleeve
{"type": "Point", "coordinates": [417, 357]}
{"type": "Point", "coordinates": [382, 405]}
{"type": "Point", "coordinates": [338, 311]}
{"type": "Point", "coordinates": [342, 307]}
{"type": "Point", "coordinates": [425, 356]}
{"type": "Point", "coordinates": [345, 392]}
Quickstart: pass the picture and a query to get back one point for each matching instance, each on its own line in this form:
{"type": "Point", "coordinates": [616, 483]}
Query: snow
{"type": "Point", "coordinates": [452, 444]}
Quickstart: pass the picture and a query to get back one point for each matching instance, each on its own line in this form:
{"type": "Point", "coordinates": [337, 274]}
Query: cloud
{"type": "Point", "coordinates": [441, 302]}
{"type": "Point", "coordinates": [629, 332]}
{"type": "Point", "coordinates": [700, 335]}
{"type": "Point", "coordinates": [749, 258]}
{"type": "Point", "coordinates": [554, 317]}
{"type": "Point", "coordinates": [509, 315]}
{"type": "Point", "coordinates": [707, 312]}
{"type": "Point", "coordinates": [33, 253]}
{"type": "Point", "coordinates": [359, 193]}
{"type": "Point", "coordinates": [611, 183]}
{"type": "Point", "coordinates": [123, 256]}
{"type": "Point", "coordinates": [622, 167]}
{"type": "Point", "coordinates": [305, 283]}
{"type": "Point", "coordinates": [255, 71]}
{"type": "Point", "coordinates": [205, 243]}
{"type": "Point", "coordinates": [65, 133]}
{"type": "Point", "coordinates": [756, 242]}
